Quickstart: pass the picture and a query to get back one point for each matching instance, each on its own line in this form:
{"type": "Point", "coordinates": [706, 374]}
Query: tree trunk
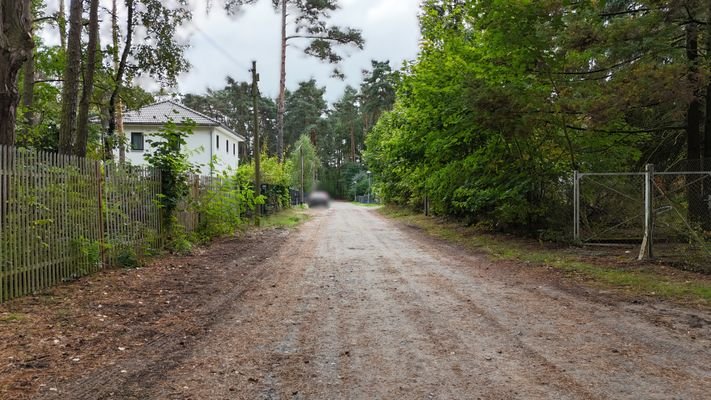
{"type": "Point", "coordinates": [120, 133]}
{"type": "Point", "coordinates": [707, 133]}
{"type": "Point", "coordinates": [119, 103]}
{"type": "Point", "coordinates": [9, 97]}
{"type": "Point", "coordinates": [353, 144]}
{"type": "Point", "coordinates": [28, 93]}
{"type": "Point", "coordinates": [28, 80]}
{"type": "Point", "coordinates": [114, 101]}
{"type": "Point", "coordinates": [693, 116]}
{"type": "Point", "coordinates": [70, 89]}
{"type": "Point", "coordinates": [281, 101]}
{"type": "Point", "coordinates": [693, 121]}
{"type": "Point", "coordinates": [15, 47]}
{"type": "Point", "coordinates": [62, 25]}
{"type": "Point", "coordinates": [88, 87]}
{"type": "Point", "coordinates": [707, 122]}
{"type": "Point", "coordinates": [366, 122]}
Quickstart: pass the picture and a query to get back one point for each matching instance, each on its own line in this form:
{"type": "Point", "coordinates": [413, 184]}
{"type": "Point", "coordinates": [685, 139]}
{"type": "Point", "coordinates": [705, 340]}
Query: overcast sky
{"type": "Point", "coordinates": [221, 45]}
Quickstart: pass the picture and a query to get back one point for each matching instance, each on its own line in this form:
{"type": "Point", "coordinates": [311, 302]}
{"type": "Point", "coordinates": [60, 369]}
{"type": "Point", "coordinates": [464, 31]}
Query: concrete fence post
{"type": "Point", "coordinates": [646, 249]}
{"type": "Point", "coordinates": [576, 206]}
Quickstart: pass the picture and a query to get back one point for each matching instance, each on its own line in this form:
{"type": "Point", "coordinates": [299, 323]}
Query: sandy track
{"type": "Point", "coordinates": [354, 307]}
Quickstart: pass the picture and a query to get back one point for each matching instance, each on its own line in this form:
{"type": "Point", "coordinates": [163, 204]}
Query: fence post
{"type": "Point", "coordinates": [427, 205]}
{"type": "Point", "coordinates": [576, 206]}
{"type": "Point", "coordinates": [645, 251]}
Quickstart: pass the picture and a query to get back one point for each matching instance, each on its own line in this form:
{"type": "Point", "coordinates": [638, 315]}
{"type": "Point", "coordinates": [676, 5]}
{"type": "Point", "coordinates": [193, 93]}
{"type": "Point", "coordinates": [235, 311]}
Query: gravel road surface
{"type": "Point", "coordinates": [353, 306]}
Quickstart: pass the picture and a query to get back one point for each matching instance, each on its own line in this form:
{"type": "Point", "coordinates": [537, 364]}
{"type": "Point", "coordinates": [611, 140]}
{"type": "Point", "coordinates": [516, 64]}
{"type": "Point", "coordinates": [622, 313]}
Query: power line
{"type": "Point", "coordinates": [219, 48]}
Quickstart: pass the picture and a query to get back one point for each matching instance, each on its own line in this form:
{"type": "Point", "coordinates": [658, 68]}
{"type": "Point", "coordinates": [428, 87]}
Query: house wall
{"type": "Point", "coordinates": [201, 147]}
{"type": "Point", "coordinates": [227, 155]}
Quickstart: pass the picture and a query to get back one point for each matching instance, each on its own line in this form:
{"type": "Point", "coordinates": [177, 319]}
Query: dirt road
{"type": "Point", "coordinates": [354, 307]}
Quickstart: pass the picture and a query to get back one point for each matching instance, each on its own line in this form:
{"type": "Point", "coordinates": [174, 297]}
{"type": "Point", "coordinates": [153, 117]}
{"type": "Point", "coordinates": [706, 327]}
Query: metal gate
{"type": "Point", "coordinates": [668, 214]}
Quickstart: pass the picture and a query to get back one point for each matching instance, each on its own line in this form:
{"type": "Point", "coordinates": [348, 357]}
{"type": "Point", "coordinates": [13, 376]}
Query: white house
{"type": "Point", "coordinates": [210, 139]}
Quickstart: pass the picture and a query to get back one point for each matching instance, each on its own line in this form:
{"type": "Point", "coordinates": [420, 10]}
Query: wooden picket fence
{"type": "Point", "coordinates": [62, 217]}
{"type": "Point", "coordinates": [187, 214]}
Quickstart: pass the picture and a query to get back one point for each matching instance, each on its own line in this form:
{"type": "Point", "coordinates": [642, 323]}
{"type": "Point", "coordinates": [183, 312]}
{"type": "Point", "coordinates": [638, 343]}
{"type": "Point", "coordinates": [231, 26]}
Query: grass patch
{"type": "Point", "coordinates": [289, 218]}
{"type": "Point", "coordinates": [636, 282]}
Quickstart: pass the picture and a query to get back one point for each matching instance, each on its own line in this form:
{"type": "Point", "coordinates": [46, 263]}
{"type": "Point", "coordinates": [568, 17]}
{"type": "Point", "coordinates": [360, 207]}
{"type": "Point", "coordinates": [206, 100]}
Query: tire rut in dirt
{"type": "Point", "coordinates": [241, 356]}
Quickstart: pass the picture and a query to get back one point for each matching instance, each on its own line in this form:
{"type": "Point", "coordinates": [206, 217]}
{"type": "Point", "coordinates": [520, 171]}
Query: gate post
{"type": "Point", "coordinates": [576, 206]}
{"type": "Point", "coordinates": [645, 251]}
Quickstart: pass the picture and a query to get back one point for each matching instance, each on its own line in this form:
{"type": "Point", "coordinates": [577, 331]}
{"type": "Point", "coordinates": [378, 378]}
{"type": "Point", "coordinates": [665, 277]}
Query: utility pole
{"type": "Point", "coordinates": [301, 153]}
{"type": "Point", "coordinates": [257, 149]}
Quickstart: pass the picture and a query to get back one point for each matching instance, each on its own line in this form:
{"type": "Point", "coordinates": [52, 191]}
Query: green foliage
{"type": "Point", "coordinates": [343, 182]}
{"type": "Point", "coordinates": [42, 131]}
{"type": "Point", "coordinates": [158, 53]}
{"type": "Point", "coordinates": [304, 110]}
{"type": "Point", "coordinates": [359, 180]}
{"type": "Point", "coordinates": [170, 158]}
{"type": "Point", "coordinates": [276, 198]}
{"type": "Point", "coordinates": [272, 171]}
{"type": "Point", "coordinates": [303, 153]}
{"type": "Point", "coordinates": [286, 219]}
{"type": "Point", "coordinates": [89, 250]}
{"type": "Point", "coordinates": [378, 91]}
{"type": "Point", "coordinates": [226, 205]}
{"type": "Point", "coordinates": [127, 258]}
{"type": "Point", "coordinates": [508, 97]}
{"type": "Point", "coordinates": [275, 176]}
{"type": "Point", "coordinates": [179, 242]}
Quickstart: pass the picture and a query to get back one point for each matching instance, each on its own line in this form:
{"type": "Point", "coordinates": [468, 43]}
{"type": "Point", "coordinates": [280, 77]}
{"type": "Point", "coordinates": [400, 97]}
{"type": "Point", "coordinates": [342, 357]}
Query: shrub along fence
{"type": "Point", "coordinates": [62, 217]}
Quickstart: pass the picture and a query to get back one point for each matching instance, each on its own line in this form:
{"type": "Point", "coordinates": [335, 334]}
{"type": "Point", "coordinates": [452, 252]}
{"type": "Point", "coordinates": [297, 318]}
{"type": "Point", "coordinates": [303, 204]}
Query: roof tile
{"type": "Point", "coordinates": [160, 112]}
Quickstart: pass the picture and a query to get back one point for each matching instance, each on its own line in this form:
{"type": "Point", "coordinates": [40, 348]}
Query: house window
{"type": "Point", "coordinates": [218, 141]}
{"type": "Point", "coordinates": [137, 141]}
{"type": "Point", "coordinates": [234, 149]}
{"type": "Point", "coordinates": [227, 146]}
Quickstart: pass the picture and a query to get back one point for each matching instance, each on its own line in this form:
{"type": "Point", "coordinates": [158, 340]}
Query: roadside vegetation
{"type": "Point", "coordinates": [70, 97]}
{"type": "Point", "coordinates": [647, 280]}
{"type": "Point", "coordinates": [486, 126]}
{"type": "Point", "coordinates": [229, 204]}
{"type": "Point", "coordinates": [289, 218]}
{"type": "Point", "coordinates": [508, 98]}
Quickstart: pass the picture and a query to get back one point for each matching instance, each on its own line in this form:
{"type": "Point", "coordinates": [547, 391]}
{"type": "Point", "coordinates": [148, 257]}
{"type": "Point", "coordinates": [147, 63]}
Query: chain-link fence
{"type": "Point", "coordinates": [653, 214]}
{"type": "Point", "coordinates": [610, 207]}
{"type": "Point", "coordinates": [366, 199]}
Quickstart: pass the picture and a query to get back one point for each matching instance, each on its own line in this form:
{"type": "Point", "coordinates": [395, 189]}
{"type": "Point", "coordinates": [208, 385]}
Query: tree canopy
{"type": "Point", "coordinates": [508, 97]}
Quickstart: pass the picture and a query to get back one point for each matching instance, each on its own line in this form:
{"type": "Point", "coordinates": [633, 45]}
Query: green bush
{"type": "Point", "coordinates": [174, 163]}
{"type": "Point", "coordinates": [89, 251]}
{"type": "Point", "coordinates": [127, 257]}
{"type": "Point", "coordinates": [226, 206]}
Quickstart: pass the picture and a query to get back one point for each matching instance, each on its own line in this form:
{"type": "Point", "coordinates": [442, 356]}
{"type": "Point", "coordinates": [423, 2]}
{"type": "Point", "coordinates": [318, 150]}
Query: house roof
{"type": "Point", "coordinates": [159, 113]}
